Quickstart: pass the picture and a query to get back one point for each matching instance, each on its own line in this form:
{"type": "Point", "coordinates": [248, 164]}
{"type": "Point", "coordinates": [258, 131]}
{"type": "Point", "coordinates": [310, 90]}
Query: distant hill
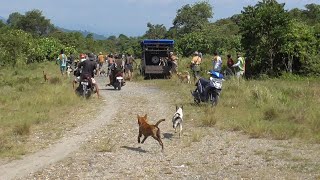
{"type": "Point", "coordinates": [85, 33]}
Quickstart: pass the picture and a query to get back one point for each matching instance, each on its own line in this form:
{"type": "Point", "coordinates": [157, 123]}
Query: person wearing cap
{"type": "Point", "coordinates": [195, 65]}
{"type": "Point", "coordinates": [240, 66]}
{"type": "Point", "coordinates": [77, 71]}
{"type": "Point", "coordinates": [173, 63]}
{"type": "Point", "coordinates": [216, 62]}
{"type": "Point", "coordinates": [87, 69]}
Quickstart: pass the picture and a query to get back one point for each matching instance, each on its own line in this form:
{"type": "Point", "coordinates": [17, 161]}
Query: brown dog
{"type": "Point", "coordinates": [185, 76]}
{"type": "Point", "coordinates": [45, 76]}
{"type": "Point", "coordinates": [147, 130]}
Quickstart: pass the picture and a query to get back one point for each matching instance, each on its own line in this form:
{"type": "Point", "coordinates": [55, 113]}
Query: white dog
{"type": "Point", "coordinates": [177, 119]}
{"type": "Point", "coordinates": [69, 70]}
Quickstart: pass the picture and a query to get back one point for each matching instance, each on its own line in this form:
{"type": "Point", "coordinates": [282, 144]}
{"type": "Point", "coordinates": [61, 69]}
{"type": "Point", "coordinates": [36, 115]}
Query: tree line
{"type": "Point", "coordinates": [273, 40]}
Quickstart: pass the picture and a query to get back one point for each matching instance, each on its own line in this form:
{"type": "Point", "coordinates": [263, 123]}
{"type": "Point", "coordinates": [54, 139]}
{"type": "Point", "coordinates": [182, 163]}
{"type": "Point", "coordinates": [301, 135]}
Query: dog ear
{"type": "Point", "coordinates": [176, 107]}
{"type": "Point", "coordinates": [182, 107]}
{"type": "Point", "coordinates": [145, 116]}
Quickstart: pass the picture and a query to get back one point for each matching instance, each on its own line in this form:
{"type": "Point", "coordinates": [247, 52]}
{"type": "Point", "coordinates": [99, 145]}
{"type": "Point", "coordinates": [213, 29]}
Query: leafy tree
{"type": "Point", "coordinates": [113, 38]}
{"type": "Point", "coordinates": [157, 31]}
{"type": "Point", "coordinates": [35, 23]}
{"type": "Point", "coordinates": [192, 17]}
{"type": "Point", "coordinates": [312, 13]}
{"type": "Point", "coordinates": [14, 19]}
{"type": "Point", "coordinates": [264, 27]}
{"type": "Point", "coordinates": [300, 44]}
{"type": "Point", "coordinates": [297, 14]}
{"type": "Point", "coordinates": [2, 24]}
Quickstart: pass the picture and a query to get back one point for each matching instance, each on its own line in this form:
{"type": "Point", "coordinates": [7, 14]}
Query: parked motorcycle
{"type": "Point", "coordinates": [208, 91]}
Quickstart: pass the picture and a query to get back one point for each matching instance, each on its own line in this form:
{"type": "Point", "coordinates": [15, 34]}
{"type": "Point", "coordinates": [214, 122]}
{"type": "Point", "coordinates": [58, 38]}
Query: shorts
{"type": "Point", "coordinates": [62, 68]}
{"type": "Point", "coordinates": [77, 79]}
{"type": "Point", "coordinates": [100, 64]}
{"type": "Point", "coordinates": [129, 67]}
{"type": "Point", "coordinates": [240, 73]}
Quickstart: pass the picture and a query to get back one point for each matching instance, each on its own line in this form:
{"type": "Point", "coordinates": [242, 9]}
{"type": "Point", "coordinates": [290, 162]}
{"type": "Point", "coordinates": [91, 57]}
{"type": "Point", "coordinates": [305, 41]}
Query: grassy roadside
{"type": "Point", "coordinates": [281, 108]}
{"type": "Point", "coordinates": [28, 103]}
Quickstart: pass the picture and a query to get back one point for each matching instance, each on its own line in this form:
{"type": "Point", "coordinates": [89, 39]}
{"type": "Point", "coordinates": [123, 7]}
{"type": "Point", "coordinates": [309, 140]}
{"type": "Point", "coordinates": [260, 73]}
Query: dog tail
{"type": "Point", "coordinates": [187, 72]}
{"type": "Point", "coordinates": [159, 122]}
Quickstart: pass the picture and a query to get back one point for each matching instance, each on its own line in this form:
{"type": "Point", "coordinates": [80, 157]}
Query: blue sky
{"type": "Point", "coordinates": [129, 17]}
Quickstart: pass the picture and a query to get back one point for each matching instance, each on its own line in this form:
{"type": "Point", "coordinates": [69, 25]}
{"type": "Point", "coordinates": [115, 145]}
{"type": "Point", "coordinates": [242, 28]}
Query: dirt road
{"type": "Point", "coordinates": [106, 148]}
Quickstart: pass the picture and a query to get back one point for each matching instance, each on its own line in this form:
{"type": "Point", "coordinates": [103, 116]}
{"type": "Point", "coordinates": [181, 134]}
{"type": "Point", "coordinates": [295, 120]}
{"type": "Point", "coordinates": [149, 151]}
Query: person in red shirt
{"type": "Point", "coordinates": [230, 63]}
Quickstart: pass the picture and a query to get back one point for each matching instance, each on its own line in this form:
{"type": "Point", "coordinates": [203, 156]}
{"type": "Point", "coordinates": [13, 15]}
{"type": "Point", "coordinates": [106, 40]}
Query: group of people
{"type": "Point", "coordinates": [237, 69]}
{"type": "Point", "coordinates": [91, 65]}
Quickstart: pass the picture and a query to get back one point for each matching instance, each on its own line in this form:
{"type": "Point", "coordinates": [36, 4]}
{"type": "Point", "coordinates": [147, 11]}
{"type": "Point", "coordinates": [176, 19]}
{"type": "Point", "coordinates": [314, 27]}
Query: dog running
{"type": "Point", "coordinates": [45, 76]}
{"type": "Point", "coordinates": [185, 76]}
{"type": "Point", "coordinates": [147, 130]}
{"type": "Point", "coordinates": [177, 119]}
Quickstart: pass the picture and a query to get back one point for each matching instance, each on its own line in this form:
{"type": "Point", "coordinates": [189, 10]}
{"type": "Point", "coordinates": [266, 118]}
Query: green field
{"type": "Point", "coordinates": [26, 102]}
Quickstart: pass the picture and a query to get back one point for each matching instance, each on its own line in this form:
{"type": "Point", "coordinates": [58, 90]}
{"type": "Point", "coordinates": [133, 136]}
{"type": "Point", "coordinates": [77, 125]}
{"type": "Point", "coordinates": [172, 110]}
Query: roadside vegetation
{"type": "Point", "coordinates": [278, 108]}
{"type": "Point", "coordinates": [27, 102]}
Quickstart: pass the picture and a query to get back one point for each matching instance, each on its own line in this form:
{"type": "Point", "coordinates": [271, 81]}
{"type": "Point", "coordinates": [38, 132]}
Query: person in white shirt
{"type": "Point", "coordinates": [217, 62]}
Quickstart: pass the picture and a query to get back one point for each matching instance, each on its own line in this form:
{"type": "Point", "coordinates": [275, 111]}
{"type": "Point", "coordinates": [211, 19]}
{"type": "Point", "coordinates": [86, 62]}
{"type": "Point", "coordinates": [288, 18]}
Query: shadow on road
{"type": "Point", "coordinates": [108, 89]}
{"type": "Point", "coordinates": [134, 149]}
{"type": "Point", "coordinates": [168, 135]}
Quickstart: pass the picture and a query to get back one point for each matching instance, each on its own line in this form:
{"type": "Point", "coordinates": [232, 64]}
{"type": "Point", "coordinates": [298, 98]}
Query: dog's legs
{"type": "Point", "coordinates": [158, 138]}
{"type": "Point", "coordinates": [139, 136]}
{"type": "Point", "coordinates": [145, 137]}
{"type": "Point", "coordinates": [180, 125]}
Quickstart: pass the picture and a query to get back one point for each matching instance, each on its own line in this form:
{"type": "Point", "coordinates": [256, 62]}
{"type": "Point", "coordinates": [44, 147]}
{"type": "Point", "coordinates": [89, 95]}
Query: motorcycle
{"type": "Point", "coordinates": [208, 91]}
{"type": "Point", "coordinates": [85, 88]}
{"type": "Point", "coordinates": [117, 76]}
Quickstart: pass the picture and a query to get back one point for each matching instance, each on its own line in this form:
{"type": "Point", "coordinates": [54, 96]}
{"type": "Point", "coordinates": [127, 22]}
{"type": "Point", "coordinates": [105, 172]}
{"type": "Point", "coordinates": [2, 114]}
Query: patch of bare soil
{"type": "Point", "coordinates": [106, 147]}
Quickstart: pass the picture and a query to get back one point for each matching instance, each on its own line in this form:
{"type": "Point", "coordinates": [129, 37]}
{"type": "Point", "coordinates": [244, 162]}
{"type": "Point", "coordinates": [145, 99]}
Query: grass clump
{"type": "Point", "coordinates": [105, 145]}
{"type": "Point", "coordinates": [22, 129]}
{"type": "Point", "coordinates": [210, 117]}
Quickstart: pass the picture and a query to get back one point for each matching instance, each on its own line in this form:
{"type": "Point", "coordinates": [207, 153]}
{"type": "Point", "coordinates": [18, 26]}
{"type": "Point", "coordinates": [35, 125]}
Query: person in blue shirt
{"type": "Point", "coordinates": [62, 59]}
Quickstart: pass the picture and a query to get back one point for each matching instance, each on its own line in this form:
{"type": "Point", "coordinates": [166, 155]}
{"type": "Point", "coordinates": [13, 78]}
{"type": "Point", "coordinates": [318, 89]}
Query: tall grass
{"type": "Point", "coordinates": [280, 108]}
{"type": "Point", "coordinates": [26, 100]}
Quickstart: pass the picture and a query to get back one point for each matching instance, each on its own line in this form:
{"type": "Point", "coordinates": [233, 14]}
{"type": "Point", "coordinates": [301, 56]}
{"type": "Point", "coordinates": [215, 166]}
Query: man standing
{"type": "Point", "coordinates": [240, 66]}
{"type": "Point", "coordinates": [62, 58]}
{"type": "Point", "coordinates": [173, 62]}
{"type": "Point", "coordinates": [129, 66]}
{"type": "Point", "coordinates": [101, 60]}
{"type": "Point", "coordinates": [195, 65]}
{"type": "Point", "coordinates": [216, 62]}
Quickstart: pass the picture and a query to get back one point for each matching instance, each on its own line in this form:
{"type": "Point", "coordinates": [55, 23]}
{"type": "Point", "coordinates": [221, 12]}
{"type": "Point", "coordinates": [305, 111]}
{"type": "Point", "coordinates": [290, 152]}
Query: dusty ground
{"type": "Point", "coordinates": [105, 147]}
